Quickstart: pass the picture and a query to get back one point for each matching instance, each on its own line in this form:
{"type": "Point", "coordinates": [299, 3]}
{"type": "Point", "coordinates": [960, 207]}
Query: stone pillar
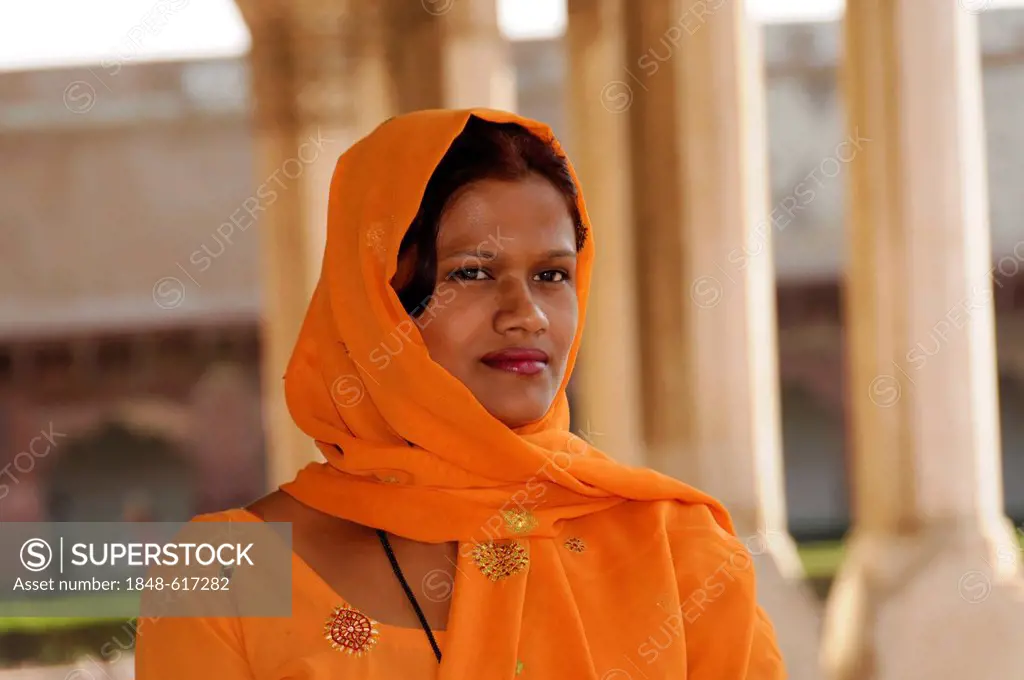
{"type": "Point", "coordinates": [694, 78]}
{"type": "Point", "coordinates": [606, 388]}
{"type": "Point", "coordinates": [928, 587]}
{"type": "Point", "coordinates": [449, 53]}
{"type": "Point", "coordinates": [320, 82]}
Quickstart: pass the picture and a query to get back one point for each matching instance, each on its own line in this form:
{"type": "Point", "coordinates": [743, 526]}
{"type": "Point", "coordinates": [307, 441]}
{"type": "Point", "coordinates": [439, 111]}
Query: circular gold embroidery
{"type": "Point", "coordinates": [351, 631]}
{"type": "Point", "coordinates": [500, 560]}
{"type": "Point", "coordinates": [519, 521]}
{"type": "Point", "coordinates": [575, 544]}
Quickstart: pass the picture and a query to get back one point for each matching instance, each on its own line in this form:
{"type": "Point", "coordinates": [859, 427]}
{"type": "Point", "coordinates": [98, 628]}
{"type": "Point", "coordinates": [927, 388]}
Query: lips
{"type": "Point", "coordinates": [518, 360]}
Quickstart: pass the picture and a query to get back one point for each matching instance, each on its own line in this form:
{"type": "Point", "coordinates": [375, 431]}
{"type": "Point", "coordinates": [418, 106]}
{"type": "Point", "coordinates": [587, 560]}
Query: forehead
{"type": "Point", "coordinates": [528, 214]}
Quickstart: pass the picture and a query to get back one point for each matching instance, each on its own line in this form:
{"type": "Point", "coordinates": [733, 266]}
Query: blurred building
{"type": "Point", "coordinates": [150, 388]}
{"type": "Point", "coordinates": [131, 313]}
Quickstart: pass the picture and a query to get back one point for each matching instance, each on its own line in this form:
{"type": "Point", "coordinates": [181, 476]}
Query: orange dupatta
{"type": "Point", "coordinates": [408, 448]}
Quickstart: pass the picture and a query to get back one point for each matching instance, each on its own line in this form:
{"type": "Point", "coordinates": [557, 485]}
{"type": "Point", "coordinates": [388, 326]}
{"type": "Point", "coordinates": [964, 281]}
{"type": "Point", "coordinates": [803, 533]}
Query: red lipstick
{"type": "Point", "coordinates": [519, 360]}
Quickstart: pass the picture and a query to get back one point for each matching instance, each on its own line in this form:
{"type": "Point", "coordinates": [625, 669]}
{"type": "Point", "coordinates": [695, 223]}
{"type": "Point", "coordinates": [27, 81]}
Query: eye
{"type": "Point", "coordinates": [468, 274]}
{"type": "Point", "coordinates": [553, 276]}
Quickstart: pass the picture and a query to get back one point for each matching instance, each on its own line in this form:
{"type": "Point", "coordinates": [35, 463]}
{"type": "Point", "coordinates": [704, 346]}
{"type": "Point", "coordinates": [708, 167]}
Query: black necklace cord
{"type": "Point", "coordinates": [383, 536]}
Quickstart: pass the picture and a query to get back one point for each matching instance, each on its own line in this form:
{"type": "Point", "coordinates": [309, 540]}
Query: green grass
{"type": "Point", "coordinates": [31, 616]}
{"type": "Point", "coordinates": [821, 560]}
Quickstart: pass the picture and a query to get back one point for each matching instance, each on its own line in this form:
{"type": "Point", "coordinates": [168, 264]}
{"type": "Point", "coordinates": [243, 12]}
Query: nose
{"type": "Point", "coordinates": [518, 311]}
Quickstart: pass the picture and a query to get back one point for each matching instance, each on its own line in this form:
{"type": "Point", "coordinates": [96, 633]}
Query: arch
{"type": "Point", "coordinates": [116, 473]}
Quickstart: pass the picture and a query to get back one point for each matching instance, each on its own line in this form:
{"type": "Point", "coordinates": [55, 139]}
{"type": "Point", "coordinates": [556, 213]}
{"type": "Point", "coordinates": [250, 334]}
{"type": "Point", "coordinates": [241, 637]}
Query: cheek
{"type": "Point", "coordinates": [563, 319]}
{"type": "Point", "coordinates": [451, 325]}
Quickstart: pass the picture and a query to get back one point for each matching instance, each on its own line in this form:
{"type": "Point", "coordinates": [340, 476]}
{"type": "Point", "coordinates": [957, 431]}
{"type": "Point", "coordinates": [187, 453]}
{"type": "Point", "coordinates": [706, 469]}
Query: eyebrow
{"type": "Point", "coordinates": [489, 255]}
{"type": "Point", "coordinates": [476, 252]}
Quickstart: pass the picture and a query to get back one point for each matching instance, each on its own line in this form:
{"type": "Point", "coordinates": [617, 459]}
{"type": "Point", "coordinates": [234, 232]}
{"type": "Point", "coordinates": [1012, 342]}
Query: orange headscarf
{"type": "Point", "coordinates": [408, 447]}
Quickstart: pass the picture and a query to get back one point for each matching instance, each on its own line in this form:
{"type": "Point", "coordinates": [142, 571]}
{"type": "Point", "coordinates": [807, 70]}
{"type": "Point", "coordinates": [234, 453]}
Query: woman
{"type": "Point", "coordinates": [457, 528]}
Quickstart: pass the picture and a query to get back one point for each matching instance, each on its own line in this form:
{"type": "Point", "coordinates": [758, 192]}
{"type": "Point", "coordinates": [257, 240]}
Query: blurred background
{"type": "Point", "coordinates": [164, 166]}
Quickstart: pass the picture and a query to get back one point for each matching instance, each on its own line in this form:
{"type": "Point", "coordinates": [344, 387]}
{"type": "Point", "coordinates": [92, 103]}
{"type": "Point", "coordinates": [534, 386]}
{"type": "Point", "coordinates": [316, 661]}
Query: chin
{"type": "Point", "coordinates": [517, 415]}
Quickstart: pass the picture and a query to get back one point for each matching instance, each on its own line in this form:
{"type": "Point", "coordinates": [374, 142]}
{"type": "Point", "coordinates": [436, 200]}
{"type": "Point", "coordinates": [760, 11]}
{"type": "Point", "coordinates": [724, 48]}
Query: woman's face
{"type": "Point", "coordinates": [504, 310]}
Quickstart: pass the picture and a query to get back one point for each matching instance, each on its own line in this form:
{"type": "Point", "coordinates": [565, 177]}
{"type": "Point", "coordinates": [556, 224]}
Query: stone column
{"type": "Point", "coordinates": [449, 53]}
{"type": "Point", "coordinates": [928, 587]}
{"type": "Point", "coordinates": [694, 76]}
{"type": "Point", "coordinates": [607, 393]}
{"type": "Point", "coordinates": [320, 82]}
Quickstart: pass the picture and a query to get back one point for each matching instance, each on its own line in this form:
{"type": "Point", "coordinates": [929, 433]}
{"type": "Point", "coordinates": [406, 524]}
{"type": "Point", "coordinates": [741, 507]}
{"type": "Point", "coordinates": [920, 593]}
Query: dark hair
{"type": "Point", "coordinates": [483, 150]}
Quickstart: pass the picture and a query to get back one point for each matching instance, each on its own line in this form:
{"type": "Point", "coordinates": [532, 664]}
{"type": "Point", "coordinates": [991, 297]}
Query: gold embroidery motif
{"type": "Point", "coordinates": [519, 521]}
{"type": "Point", "coordinates": [390, 476]}
{"type": "Point", "coordinates": [519, 667]}
{"type": "Point", "coordinates": [500, 560]}
{"type": "Point", "coordinates": [375, 239]}
{"type": "Point", "coordinates": [351, 631]}
{"type": "Point", "coordinates": [575, 544]}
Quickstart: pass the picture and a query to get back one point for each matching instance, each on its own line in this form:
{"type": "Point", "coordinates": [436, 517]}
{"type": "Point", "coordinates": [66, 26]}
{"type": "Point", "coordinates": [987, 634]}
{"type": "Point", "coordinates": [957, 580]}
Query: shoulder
{"type": "Point", "coordinates": [276, 506]}
{"type": "Point", "coordinates": [228, 515]}
{"type": "Point", "coordinates": [273, 507]}
{"type": "Point", "coordinates": [702, 529]}
{"type": "Point", "coordinates": [679, 519]}
{"type": "Point", "coordinates": [698, 539]}
{"type": "Point", "coordinates": [696, 536]}
{"type": "Point", "coordinates": [279, 506]}
{"type": "Point", "coordinates": [309, 527]}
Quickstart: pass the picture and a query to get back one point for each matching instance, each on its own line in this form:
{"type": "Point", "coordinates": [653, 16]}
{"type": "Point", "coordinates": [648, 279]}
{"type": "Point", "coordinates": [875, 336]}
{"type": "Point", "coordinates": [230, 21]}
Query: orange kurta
{"type": "Point", "coordinates": [630, 574]}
